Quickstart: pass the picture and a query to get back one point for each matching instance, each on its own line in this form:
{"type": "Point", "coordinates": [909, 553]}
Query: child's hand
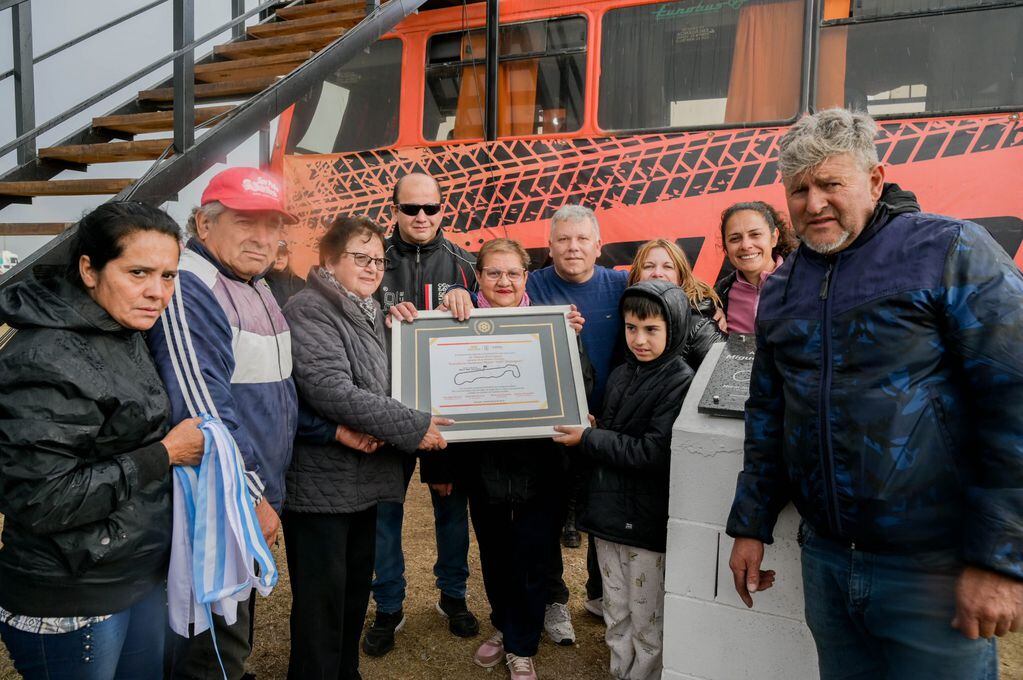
{"type": "Point", "coordinates": [570, 436]}
{"type": "Point", "coordinates": [593, 421]}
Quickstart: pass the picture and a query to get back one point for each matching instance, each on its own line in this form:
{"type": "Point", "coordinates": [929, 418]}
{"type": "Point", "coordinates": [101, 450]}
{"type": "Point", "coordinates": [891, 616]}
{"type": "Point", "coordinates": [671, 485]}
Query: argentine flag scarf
{"type": "Point", "coordinates": [216, 538]}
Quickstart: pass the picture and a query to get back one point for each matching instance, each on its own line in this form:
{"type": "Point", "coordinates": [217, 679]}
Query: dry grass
{"type": "Point", "coordinates": [425, 649]}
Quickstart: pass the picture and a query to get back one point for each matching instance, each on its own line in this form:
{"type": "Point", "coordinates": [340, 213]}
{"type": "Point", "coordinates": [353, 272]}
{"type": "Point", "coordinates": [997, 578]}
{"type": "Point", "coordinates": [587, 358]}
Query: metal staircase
{"type": "Point", "coordinates": [232, 93]}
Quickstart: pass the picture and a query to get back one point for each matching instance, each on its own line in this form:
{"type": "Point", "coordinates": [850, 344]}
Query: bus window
{"type": "Point", "coordinates": [911, 65]}
{"type": "Point", "coordinates": [886, 8]}
{"type": "Point", "coordinates": [353, 110]}
{"type": "Point", "coordinates": [680, 64]}
{"type": "Point", "coordinates": [540, 80]}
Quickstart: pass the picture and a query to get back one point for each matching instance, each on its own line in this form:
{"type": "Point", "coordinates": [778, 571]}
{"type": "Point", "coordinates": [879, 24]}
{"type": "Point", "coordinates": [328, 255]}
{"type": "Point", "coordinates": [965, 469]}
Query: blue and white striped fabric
{"type": "Point", "coordinates": [217, 543]}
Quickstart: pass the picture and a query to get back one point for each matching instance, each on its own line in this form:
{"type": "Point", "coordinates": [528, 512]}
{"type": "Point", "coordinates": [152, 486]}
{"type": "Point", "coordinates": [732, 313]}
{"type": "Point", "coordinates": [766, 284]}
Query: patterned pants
{"type": "Point", "coordinates": [633, 609]}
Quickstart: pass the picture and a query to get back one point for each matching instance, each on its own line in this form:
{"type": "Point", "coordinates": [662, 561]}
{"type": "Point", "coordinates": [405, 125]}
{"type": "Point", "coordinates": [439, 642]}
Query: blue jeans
{"type": "Point", "coordinates": [126, 646]}
{"type": "Point", "coordinates": [451, 520]}
{"type": "Point", "coordinates": [882, 616]}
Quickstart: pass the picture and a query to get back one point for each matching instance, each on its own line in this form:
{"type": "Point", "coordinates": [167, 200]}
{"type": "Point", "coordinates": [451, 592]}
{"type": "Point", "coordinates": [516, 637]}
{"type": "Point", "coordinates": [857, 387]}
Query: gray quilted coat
{"type": "Point", "coordinates": [342, 375]}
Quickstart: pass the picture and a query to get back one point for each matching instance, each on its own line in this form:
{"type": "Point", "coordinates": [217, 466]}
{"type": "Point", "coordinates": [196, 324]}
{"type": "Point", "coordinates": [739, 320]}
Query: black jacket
{"type": "Point", "coordinates": [422, 275]}
{"type": "Point", "coordinates": [723, 287]}
{"type": "Point", "coordinates": [625, 499]}
{"type": "Point", "coordinates": [700, 333]}
{"type": "Point", "coordinates": [84, 482]}
{"type": "Point", "coordinates": [284, 285]}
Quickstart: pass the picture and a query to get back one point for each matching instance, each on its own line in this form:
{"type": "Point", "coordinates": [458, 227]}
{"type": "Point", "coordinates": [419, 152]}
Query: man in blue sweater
{"type": "Point", "coordinates": [575, 278]}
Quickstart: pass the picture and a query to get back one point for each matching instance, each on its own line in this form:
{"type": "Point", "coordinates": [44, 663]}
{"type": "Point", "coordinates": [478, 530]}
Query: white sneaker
{"type": "Point", "coordinates": [520, 667]}
{"type": "Point", "coordinates": [595, 607]}
{"type": "Point", "coordinates": [558, 624]}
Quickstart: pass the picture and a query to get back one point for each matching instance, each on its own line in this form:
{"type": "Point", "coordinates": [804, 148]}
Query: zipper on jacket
{"type": "Point", "coordinates": [419, 298]}
{"type": "Point", "coordinates": [824, 405]}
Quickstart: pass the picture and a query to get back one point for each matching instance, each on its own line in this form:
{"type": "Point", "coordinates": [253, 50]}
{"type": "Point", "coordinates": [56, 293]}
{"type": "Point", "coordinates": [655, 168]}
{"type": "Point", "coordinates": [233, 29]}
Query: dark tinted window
{"type": "Point", "coordinates": [540, 80]}
{"type": "Point", "coordinates": [355, 109]}
{"type": "Point", "coordinates": [881, 8]}
{"type": "Point", "coordinates": [953, 62]}
{"type": "Point", "coordinates": [691, 63]}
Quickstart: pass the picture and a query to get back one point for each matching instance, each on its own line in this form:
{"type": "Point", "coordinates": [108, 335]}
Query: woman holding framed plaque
{"type": "Point", "coordinates": [514, 489]}
{"type": "Point", "coordinates": [333, 487]}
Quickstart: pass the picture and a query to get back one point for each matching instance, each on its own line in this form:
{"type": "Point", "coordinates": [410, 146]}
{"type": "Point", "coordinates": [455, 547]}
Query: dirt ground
{"type": "Point", "coordinates": [425, 650]}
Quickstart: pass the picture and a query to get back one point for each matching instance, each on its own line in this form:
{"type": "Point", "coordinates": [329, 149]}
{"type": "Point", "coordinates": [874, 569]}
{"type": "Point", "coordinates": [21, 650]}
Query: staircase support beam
{"type": "Point", "coordinates": [24, 79]}
{"type": "Point", "coordinates": [184, 76]}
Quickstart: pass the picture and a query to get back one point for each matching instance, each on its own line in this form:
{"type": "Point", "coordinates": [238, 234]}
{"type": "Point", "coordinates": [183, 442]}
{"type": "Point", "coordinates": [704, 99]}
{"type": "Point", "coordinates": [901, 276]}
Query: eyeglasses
{"type": "Point", "coordinates": [412, 209]}
{"type": "Point", "coordinates": [363, 260]}
{"type": "Point", "coordinates": [493, 274]}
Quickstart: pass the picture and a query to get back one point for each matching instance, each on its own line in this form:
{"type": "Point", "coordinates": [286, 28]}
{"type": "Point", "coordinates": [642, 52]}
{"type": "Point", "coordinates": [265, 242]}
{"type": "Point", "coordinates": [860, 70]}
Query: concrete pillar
{"type": "Point", "coordinates": [709, 634]}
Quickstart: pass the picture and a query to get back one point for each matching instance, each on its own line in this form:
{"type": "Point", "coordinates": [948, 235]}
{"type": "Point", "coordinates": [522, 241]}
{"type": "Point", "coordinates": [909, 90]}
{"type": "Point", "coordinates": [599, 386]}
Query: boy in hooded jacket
{"type": "Point", "coordinates": [624, 504]}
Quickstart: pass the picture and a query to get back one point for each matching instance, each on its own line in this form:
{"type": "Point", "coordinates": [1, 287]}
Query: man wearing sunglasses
{"type": "Point", "coordinates": [424, 271]}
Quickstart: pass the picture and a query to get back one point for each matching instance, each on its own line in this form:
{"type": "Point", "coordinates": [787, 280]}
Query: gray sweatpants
{"type": "Point", "coordinates": [633, 609]}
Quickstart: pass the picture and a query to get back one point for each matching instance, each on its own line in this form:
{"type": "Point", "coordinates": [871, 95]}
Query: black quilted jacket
{"type": "Point", "coordinates": [341, 373]}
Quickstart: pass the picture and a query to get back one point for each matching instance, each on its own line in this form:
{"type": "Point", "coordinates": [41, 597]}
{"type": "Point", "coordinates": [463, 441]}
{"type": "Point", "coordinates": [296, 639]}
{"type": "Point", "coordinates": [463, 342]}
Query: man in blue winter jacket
{"type": "Point", "coordinates": [884, 403]}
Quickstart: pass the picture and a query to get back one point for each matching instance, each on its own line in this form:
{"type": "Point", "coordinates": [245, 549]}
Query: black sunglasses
{"type": "Point", "coordinates": [412, 209]}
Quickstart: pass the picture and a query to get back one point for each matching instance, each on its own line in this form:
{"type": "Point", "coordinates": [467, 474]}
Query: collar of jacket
{"type": "Point", "coordinates": [195, 244]}
{"type": "Point", "coordinates": [404, 246]}
{"type": "Point", "coordinates": [894, 201]}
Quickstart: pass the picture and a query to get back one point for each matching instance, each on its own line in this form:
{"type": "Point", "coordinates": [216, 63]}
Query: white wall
{"type": "Point", "coordinates": [709, 634]}
{"type": "Point", "coordinates": [79, 72]}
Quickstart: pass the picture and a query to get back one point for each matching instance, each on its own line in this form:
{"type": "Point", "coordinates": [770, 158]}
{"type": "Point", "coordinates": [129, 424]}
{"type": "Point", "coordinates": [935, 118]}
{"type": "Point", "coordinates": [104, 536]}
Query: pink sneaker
{"type": "Point", "coordinates": [490, 652]}
{"type": "Point", "coordinates": [520, 667]}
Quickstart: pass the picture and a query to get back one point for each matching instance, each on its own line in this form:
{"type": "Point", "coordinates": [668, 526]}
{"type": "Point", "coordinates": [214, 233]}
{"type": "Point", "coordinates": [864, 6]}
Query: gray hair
{"type": "Point", "coordinates": [832, 132]}
{"type": "Point", "coordinates": [575, 213]}
{"type": "Point", "coordinates": [211, 211]}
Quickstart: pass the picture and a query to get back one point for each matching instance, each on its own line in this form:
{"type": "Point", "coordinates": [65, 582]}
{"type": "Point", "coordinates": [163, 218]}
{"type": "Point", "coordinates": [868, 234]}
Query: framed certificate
{"type": "Point", "coordinates": [504, 373]}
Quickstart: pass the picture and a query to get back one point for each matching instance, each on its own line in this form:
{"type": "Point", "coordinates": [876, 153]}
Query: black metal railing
{"type": "Point", "coordinates": [183, 57]}
{"type": "Point", "coordinates": [170, 174]}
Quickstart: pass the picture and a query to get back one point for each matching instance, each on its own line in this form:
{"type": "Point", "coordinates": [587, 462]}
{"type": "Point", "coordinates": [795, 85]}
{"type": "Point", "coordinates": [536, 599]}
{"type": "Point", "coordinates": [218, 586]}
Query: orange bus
{"type": "Point", "coordinates": [658, 115]}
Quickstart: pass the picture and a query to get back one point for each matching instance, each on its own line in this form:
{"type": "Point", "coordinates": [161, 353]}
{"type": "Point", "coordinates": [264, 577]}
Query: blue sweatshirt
{"type": "Point", "coordinates": [597, 300]}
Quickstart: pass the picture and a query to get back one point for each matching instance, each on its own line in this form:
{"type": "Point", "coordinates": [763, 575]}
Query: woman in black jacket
{"type": "Point", "coordinates": [85, 454]}
{"type": "Point", "coordinates": [515, 490]}
{"type": "Point", "coordinates": [662, 260]}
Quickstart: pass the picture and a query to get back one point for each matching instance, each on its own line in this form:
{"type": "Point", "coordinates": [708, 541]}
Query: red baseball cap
{"type": "Point", "coordinates": [247, 189]}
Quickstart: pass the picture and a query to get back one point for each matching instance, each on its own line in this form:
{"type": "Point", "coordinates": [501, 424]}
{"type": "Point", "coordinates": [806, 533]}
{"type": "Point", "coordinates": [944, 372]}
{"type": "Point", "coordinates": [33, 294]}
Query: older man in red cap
{"type": "Point", "coordinates": [223, 347]}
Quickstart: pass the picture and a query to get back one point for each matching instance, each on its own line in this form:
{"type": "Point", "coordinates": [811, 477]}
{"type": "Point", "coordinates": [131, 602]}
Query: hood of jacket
{"type": "Point", "coordinates": [675, 309]}
{"type": "Point", "coordinates": [53, 302]}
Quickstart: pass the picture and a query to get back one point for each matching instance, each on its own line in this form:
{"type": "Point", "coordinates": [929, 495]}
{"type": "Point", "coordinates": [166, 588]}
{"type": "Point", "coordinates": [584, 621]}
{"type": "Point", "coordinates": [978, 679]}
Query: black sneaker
{"type": "Point", "coordinates": [461, 621]}
{"type": "Point", "coordinates": [379, 639]}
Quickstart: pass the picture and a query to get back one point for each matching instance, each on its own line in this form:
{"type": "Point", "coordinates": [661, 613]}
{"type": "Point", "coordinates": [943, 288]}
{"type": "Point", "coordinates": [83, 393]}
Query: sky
{"type": "Point", "coordinates": [90, 66]}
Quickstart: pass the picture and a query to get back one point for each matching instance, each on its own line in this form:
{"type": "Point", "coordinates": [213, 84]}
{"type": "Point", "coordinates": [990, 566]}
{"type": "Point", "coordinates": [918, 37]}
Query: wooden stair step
{"type": "Point", "coordinates": [111, 152]}
{"type": "Point", "coordinates": [31, 229]}
{"type": "Point", "coordinates": [313, 40]}
{"type": "Point", "coordinates": [279, 28]}
{"type": "Point", "coordinates": [233, 88]}
{"type": "Point", "coordinates": [157, 121]}
{"type": "Point", "coordinates": [236, 69]}
{"type": "Point", "coordinates": [320, 8]}
{"type": "Point", "coordinates": [66, 187]}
